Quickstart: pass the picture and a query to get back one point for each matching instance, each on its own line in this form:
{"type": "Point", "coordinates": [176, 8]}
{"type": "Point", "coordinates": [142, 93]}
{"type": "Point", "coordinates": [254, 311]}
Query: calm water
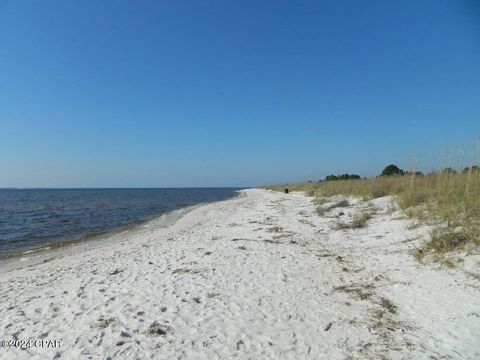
{"type": "Point", "coordinates": [31, 218]}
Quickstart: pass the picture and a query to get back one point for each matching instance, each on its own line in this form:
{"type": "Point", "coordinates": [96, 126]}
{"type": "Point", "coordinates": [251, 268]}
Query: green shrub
{"type": "Point", "coordinates": [392, 170]}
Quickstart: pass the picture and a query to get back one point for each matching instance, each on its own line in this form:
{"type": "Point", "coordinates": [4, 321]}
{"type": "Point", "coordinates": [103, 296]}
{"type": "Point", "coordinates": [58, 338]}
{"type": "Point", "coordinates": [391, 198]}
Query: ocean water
{"type": "Point", "coordinates": [37, 218]}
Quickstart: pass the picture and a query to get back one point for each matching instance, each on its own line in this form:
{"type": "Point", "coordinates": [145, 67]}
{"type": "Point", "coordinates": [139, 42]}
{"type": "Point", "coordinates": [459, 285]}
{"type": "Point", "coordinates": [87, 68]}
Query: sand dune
{"type": "Point", "coordinates": [261, 276]}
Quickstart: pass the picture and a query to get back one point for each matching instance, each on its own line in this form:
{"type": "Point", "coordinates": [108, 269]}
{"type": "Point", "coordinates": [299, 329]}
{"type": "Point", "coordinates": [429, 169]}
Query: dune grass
{"type": "Point", "coordinates": [323, 210]}
{"type": "Point", "coordinates": [448, 199]}
{"type": "Point", "coordinates": [359, 220]}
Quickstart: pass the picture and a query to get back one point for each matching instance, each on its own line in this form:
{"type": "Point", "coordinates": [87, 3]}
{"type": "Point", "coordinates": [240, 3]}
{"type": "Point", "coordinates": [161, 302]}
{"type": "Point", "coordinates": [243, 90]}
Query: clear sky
{"type": "Point", "coordinates": [231, 93]}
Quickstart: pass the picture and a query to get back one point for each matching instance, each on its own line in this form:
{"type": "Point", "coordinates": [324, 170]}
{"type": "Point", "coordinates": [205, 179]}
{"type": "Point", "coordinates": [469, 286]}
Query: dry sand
{"type": "Point", "coordinates": [261, 276]}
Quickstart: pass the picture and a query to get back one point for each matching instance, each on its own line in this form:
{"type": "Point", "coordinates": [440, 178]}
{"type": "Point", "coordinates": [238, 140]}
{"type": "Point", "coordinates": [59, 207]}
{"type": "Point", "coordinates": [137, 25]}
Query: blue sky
{"type": "Point", "coordinates": [232, 93]}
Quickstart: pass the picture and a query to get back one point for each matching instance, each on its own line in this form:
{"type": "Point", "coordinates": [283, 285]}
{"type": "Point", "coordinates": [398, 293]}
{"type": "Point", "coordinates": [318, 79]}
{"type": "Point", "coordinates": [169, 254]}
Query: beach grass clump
{"type": "Point", "coordinates": [320, 200]}
{"type": "Point", "coordinates": [445, 241]}
{"type": "Point", "coordinates": [320, 211]}
{"type": "Point", "coordinates": [359, 220]}
{"type": "Point", "coordinates": [323, 210]}
{"type": "Point", "coordinates": [341, 203]}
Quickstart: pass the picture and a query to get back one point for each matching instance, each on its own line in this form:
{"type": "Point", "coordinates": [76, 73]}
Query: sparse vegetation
{"type": "Point", "coordinates": [341, 203]}
{"type": "Point", "coordinates": [447, 240]}
{"type": "Point", "coordinates": [359, 220]}
{"type": "Point", "coordinates": [448, 199]}
{"type": "Point", "coordinates": [388, 305]}
{"type": "Point", "coordinates": [323, 210]}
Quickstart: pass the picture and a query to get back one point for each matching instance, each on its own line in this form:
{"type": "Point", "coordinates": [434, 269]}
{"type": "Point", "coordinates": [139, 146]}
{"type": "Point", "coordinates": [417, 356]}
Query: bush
{"type": "Point", "coordinates": [392, 170]}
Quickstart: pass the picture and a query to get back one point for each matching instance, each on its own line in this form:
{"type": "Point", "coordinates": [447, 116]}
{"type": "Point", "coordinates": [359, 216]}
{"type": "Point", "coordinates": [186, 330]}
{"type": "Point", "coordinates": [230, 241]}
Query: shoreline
{"type": "Point", "coordinates": [256, 276]}
{"type": "Point", "coordinates": [47, 252]}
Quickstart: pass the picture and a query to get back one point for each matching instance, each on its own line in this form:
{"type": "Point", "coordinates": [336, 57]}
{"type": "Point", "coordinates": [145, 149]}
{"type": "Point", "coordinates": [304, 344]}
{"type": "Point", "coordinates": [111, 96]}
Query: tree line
{"type": "Point", "coordinates": [394, 170]}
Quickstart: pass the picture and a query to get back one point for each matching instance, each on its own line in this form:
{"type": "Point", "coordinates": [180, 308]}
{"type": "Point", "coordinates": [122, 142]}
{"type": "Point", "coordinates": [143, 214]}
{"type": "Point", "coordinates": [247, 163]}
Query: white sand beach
{"type": "Point", "coordinates": [261, 276]}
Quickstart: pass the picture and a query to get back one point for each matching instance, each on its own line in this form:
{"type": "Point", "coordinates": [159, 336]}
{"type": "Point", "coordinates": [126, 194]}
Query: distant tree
{"type": "Point", "coordinates": [449, 170]}
{"type": "Point", "coordinates": [392, 170]}
{"type": "Point", "coordinates": [331, 178]}
{"type": "Point", "coordinates": [342, 177]}
{"type": "Point", "coordinates": [417, 173]}
{"type": "Point", "coordinates": [474, 168]}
